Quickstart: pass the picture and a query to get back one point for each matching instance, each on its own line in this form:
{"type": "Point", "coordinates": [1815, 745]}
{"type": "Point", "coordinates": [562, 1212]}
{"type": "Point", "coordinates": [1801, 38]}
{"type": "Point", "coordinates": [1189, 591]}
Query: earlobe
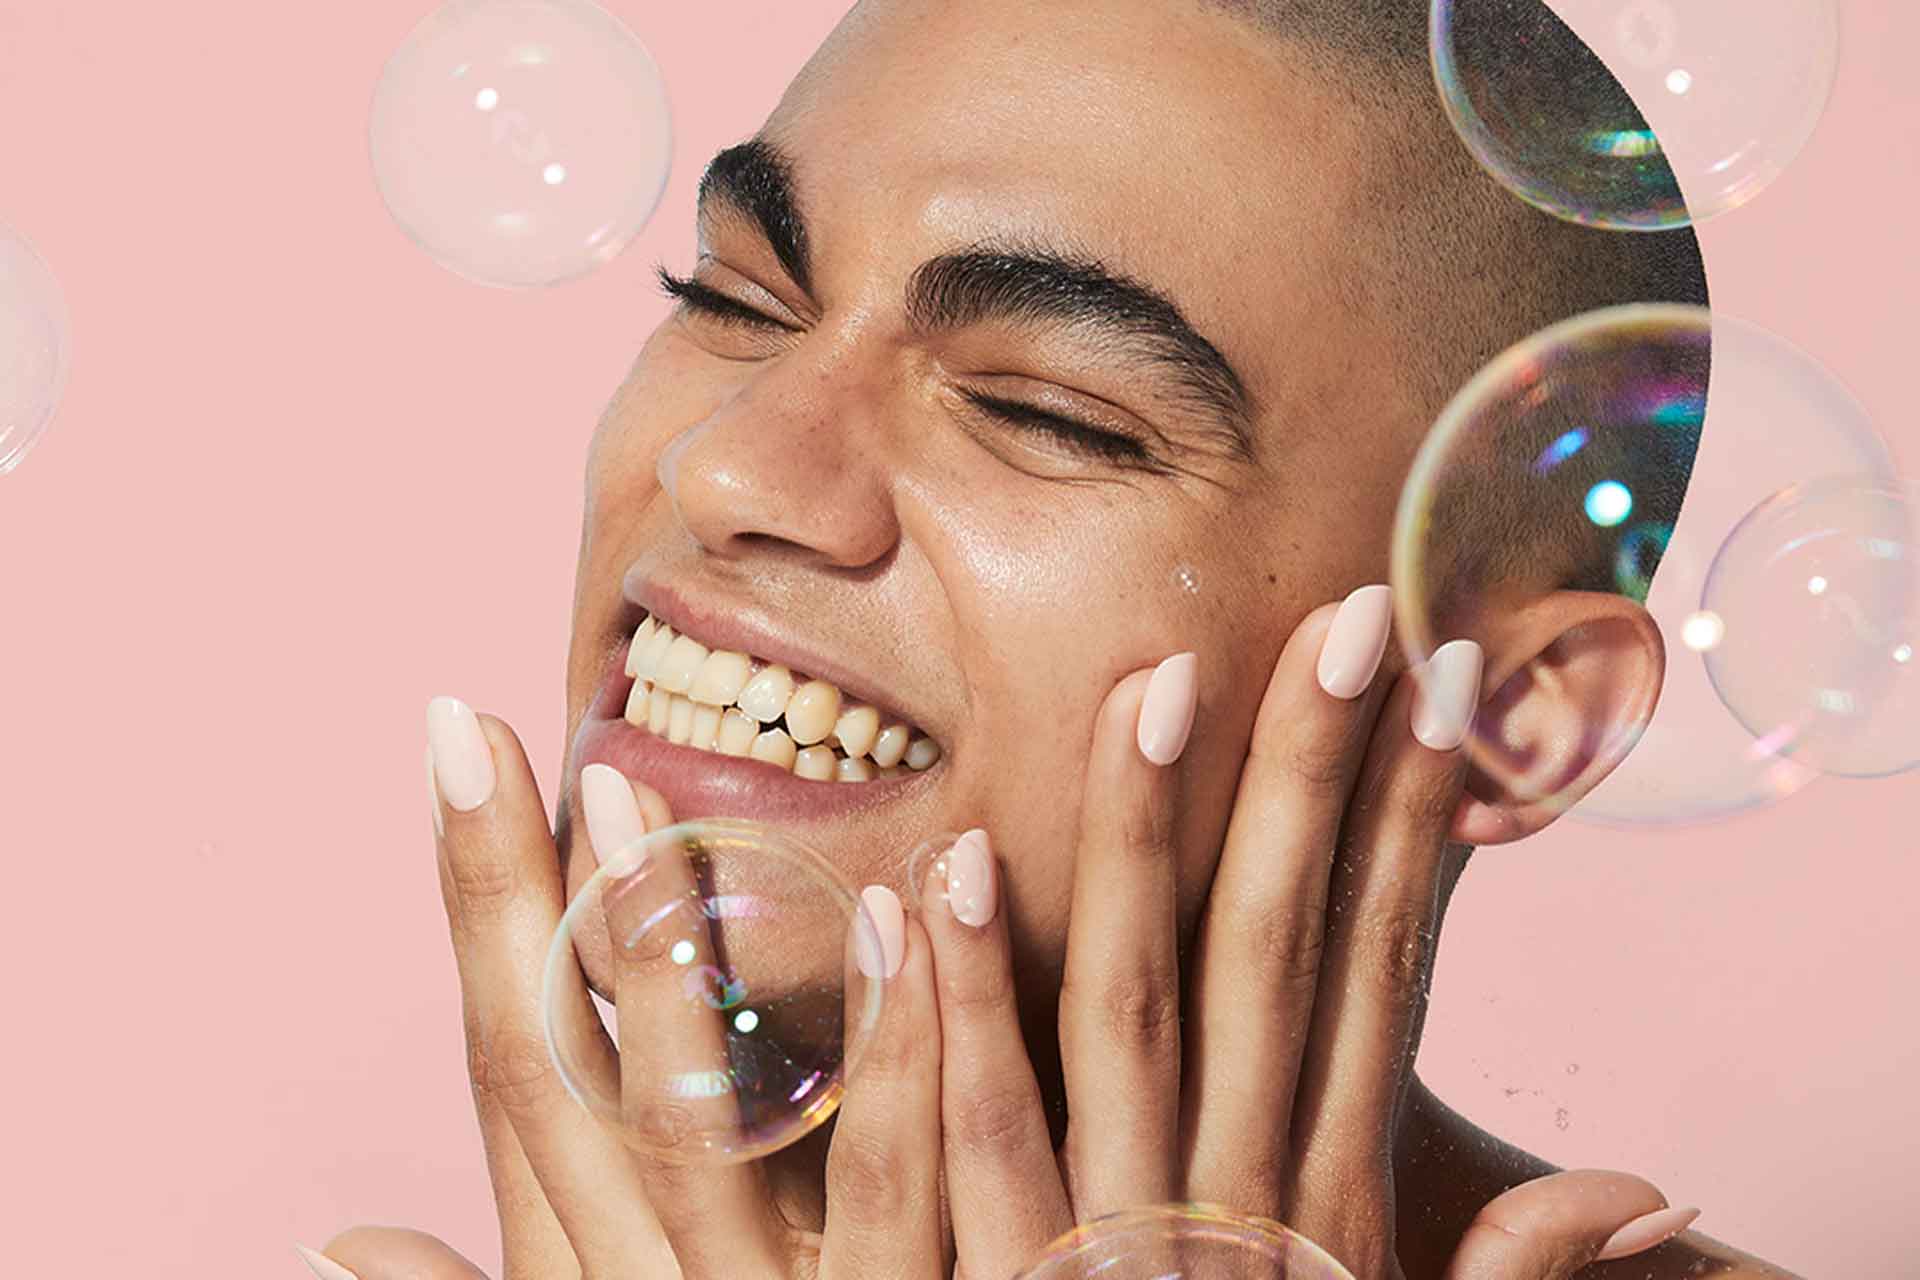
{"type": "Point", "coordinates": [1572, 682]}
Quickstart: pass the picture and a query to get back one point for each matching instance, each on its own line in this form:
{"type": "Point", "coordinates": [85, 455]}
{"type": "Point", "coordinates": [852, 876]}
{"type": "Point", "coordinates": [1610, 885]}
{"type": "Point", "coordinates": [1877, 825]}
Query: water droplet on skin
{"type": "Point", "coordinates": [1187, 578]}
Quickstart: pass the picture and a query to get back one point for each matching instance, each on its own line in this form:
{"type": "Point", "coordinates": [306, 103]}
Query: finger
{"type": "Point", "coordinates": [1383, 901]}
{"type": "Point", "coordinates": [1550, 1228]}
{"type": "Point", "coordinates": [388, 1253]}
{"type": "Point", "coordinates": [677, 1083]}
{"type": "Point", "coordinates": [1257, 957]}
{"type": "Point", "coordinates": [883, 1167]}
{"type": "Point", "coordinates": [500, 878]}
{"type": "Point", "coordinates": [1003, 1182]}
{"type": "Point", "coordinates": [1120, 992]}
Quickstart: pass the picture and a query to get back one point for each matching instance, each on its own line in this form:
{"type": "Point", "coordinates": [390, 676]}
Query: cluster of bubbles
{"type": "Point", "coordinates": [1775, 643]}
{"type": "Point", "coordinates": [521, 142]}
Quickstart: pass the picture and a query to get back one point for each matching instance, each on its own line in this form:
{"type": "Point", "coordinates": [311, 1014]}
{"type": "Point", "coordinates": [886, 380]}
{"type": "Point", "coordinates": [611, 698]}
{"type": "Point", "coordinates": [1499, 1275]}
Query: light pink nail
{"type": "Point", "coordinates": [1356, 642]}
{"type": "Point", "coordinates": [433, 796]}
{"type": "Point", "coordinates": [462, 761]}
{"type": "Point", "coordinates": [612, 811]}
{"type": "Point", "coordinates": [323, 1266]}
{"type": "Point", "coordinates": [1643, 1233]}
{"type": "Point", "coordinates": [889, 931]}
{"type": "Point", "coordinates": [1166, 713]}
{"type": "Point", "coordinates": [972, 885]}
{"type": "Point", "coordinates": [1449, 690]}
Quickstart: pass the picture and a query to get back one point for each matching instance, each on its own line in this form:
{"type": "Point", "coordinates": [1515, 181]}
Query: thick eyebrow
{"type": "Point", "coordinates": [1020, 282]}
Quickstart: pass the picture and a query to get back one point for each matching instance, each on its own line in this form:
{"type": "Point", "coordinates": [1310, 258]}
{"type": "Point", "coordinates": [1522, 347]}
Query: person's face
{"type": "Point", "coordinates": [828, 483]}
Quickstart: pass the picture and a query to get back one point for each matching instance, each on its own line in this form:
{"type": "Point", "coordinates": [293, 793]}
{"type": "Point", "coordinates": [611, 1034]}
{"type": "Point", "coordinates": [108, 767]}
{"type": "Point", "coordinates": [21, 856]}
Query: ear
{"type": "Point", "coordinates": [1571, 681]}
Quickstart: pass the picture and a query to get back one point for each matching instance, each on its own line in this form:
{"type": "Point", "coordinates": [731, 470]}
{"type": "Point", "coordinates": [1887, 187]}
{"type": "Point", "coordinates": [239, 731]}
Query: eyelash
{"type": "Point", "coordinates": [1108, 445]}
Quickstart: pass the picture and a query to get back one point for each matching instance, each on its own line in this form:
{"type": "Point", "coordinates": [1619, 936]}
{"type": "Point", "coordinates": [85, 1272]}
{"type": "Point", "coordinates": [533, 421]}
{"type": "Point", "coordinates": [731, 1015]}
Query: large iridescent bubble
{"type": "Point", "coordinates": [1184, 1242]}
{"type": "Point", "coordinates": [35, 339]}
{"type": "Point", "coordinates": [1635, 115]}
{"type": "Point", "coordinates": [521, 142]}
{"type": "Point", "coordinates": [1588, 473]}
{"type": "Point", "coordinates": [732, 1003]}
{"type": "Point", "coordinates": [1810, 626]}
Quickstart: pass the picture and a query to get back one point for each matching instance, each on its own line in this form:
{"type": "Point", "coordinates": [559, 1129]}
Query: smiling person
{"type": "Point", "coordinates": [1021, 460]}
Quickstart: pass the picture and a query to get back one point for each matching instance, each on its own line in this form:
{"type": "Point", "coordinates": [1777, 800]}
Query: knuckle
{"type": "Point", "coordinates": [1425, 798]}
{"type": "Point", "coordinates": [509, 1069]}
{"type": "Point", "coordinates": [993, 1120]}
{"type": "Point", "coordinates": [864, 1170]}
{"type": "Point", "coordinates": [1141, 1011]}
{"type": "Point", "coordinates": [1318, 765]}
{"type": "Point", "coordinates": [974, 991]}
{"type": "Point", "coordinates": [1282, 942]}
{"type": "Point", "coordinates": [1392, 947]}
{"type": "Point", "coordinates": [479, 886]}
{"type": "Point", "coordinates": [1147, 828]}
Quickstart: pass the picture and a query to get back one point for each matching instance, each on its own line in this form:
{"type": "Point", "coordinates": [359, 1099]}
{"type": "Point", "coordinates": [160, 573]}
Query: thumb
{"type": "Point", "coordinates": [388, 1253]}
{"type": "Point", "coordinates": [1551, 1227]}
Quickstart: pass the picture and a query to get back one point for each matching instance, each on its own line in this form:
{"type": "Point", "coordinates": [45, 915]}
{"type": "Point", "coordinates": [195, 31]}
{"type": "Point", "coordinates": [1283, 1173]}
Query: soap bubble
{"type": "Point", "coordinates": [1815, 601]}
{"type": "Point", "coordinates": [725, 953]}
{"type": "Point", "coordinates": [1635, 116]}
{"type": "Point", "coordinates": [521, 142]}
{"type": "Point", "coordinates": [1184, 1242]}
{"type": "Point", "coordinates": [34, 344]}
{"type": "Point", "coordinates": [1560, 468]}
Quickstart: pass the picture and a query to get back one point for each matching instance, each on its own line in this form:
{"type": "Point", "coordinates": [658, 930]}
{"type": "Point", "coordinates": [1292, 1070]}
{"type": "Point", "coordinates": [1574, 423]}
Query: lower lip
{"type": "Point", "coordinates": [706, 784]}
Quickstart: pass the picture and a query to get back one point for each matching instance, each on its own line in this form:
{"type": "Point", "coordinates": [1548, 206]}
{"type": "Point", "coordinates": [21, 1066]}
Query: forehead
{"type": "Point", "coordinates": [1170, 142]}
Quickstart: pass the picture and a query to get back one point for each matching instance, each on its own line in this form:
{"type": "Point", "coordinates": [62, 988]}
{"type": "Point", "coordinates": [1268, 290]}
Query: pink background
{"type": "Point", "coordinates": [304, 479]}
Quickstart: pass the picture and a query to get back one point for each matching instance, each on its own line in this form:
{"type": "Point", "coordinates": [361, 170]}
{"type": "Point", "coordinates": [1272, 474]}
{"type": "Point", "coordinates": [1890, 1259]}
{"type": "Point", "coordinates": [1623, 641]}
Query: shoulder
{"type": "Point", "coordinates": [1448, 1168]}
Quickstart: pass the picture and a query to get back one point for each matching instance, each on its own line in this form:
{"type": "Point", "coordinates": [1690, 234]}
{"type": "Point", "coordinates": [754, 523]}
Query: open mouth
{"type": "Point", "coordinates": [735, 704]}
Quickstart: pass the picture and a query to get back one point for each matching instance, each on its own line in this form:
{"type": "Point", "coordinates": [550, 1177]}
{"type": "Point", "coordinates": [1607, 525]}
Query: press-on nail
{"type": "Point", "coordinates": [612, 811]}
{"type": "Point", "coordinates": [1356, 642]}
{"type": "Point", "coordinates": [972, 886]}
{"type": "Point", "coordinates": [1166, 713]}
{"type": "Point", "coordinates": [1643, 1233]}
{"type": "Point", "coordinates": [1449, 689]}
{"type": "Point", "coordinates": [323, 1266]}
{"type": "Point", "coordinates": [889, 932]}
{"type": "Point", "coordinates": [462, 761]}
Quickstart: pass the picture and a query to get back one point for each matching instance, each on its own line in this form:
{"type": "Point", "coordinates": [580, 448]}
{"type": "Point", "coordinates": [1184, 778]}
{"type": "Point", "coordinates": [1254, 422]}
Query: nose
{"type": "Point", "coordinates": [793, 464]}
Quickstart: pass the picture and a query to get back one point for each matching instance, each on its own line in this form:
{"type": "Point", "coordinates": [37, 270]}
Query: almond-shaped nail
{"type": "Point", "coordinates": [889, 933]}
{"type": "Point", "coordinates": [1166, 712]}
{"type": "Point", "coordinates": [462, 761]}
{"type": "Point", "coordinates": [1449, 690]}
{"type": "Point", "coordinates": [612, 811]}
{"type": "Point", "coordinates": [972, 885]}
{"type": "Point", "coordinates": [323, 1266]}
{"type": "Point", "coordinates": [1356, 642]}
{"type": "Point", "coordinates": [1643, 1233]}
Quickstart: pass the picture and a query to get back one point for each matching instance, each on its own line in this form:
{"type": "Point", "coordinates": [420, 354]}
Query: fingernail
{"type": "Point", "coordinates": [433, 796]}
{"type": "Point", "coordinates": [971, 888]}
{"type": "Point", "coordinates": [889, 931]}
{"type": "Point", "coordinates": [1449, 688]}
{"type": "Point", "coordinates": [323, 1266]}
{"type": "Point", "coordinates": [613, 811]}
{"type": "Point", "coordinates": [462, 761]}
{"type": "Point", "coordinates": [1356, 642]}
{"type": "Point", "coordinates": [1166, 713]}
{"type": "Point", "coordinates": [1644, 1233]}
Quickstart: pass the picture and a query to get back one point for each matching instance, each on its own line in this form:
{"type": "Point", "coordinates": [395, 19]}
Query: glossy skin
{"type": "Point", "coordinates": [826, 474]}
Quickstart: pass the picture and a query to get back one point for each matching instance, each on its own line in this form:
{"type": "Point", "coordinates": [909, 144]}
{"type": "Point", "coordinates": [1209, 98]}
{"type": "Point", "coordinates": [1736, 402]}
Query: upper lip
{"type": "Point", "coordinates": [737, 625]}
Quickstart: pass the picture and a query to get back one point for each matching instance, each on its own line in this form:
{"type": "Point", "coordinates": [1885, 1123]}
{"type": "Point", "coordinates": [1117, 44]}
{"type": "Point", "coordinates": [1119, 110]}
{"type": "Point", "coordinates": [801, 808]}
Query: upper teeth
{"type": "Point", "coordinates": [719, 700]}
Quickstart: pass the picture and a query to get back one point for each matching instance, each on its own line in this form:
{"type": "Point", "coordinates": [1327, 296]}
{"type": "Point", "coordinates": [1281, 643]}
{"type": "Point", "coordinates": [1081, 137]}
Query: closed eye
{"type": "Point", "coordinates": [1108, 445]}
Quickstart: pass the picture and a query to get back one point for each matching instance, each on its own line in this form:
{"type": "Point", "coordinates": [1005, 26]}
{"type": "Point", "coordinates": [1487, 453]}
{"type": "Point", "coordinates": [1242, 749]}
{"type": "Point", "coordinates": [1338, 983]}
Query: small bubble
{"type": "Point", "coordinates": [1573, 1068]}
{"type": "Point", "coordinates": [1560, 1118]}
{"type": "Point", "coordinates": [1187, 578]}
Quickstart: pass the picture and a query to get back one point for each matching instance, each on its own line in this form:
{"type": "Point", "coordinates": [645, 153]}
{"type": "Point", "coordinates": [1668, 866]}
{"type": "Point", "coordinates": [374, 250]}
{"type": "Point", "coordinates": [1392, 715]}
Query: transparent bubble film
{"type": "Point", "coordinates": [521, 142]}
{"type": "Point", "coordinates": [1809, 626]}
{"type": "Point", "coordinates": [1635, 115]}
{"type": "Point", "coordinates": [731, 1010]}
{"type": "Point", "coordinates": [1574, 495]}
{"type": "Point", "coordinates": [1184, 1242]}
{"type": "Point", "coordinates": [35, 341]}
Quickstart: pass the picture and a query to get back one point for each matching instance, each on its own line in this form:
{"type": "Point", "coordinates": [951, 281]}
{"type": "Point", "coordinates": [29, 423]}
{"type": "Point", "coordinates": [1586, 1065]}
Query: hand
{"type": "Point", "coordinates": [574, 1201]}
{"type": "Point", "coordinates": [1277, 1093]}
